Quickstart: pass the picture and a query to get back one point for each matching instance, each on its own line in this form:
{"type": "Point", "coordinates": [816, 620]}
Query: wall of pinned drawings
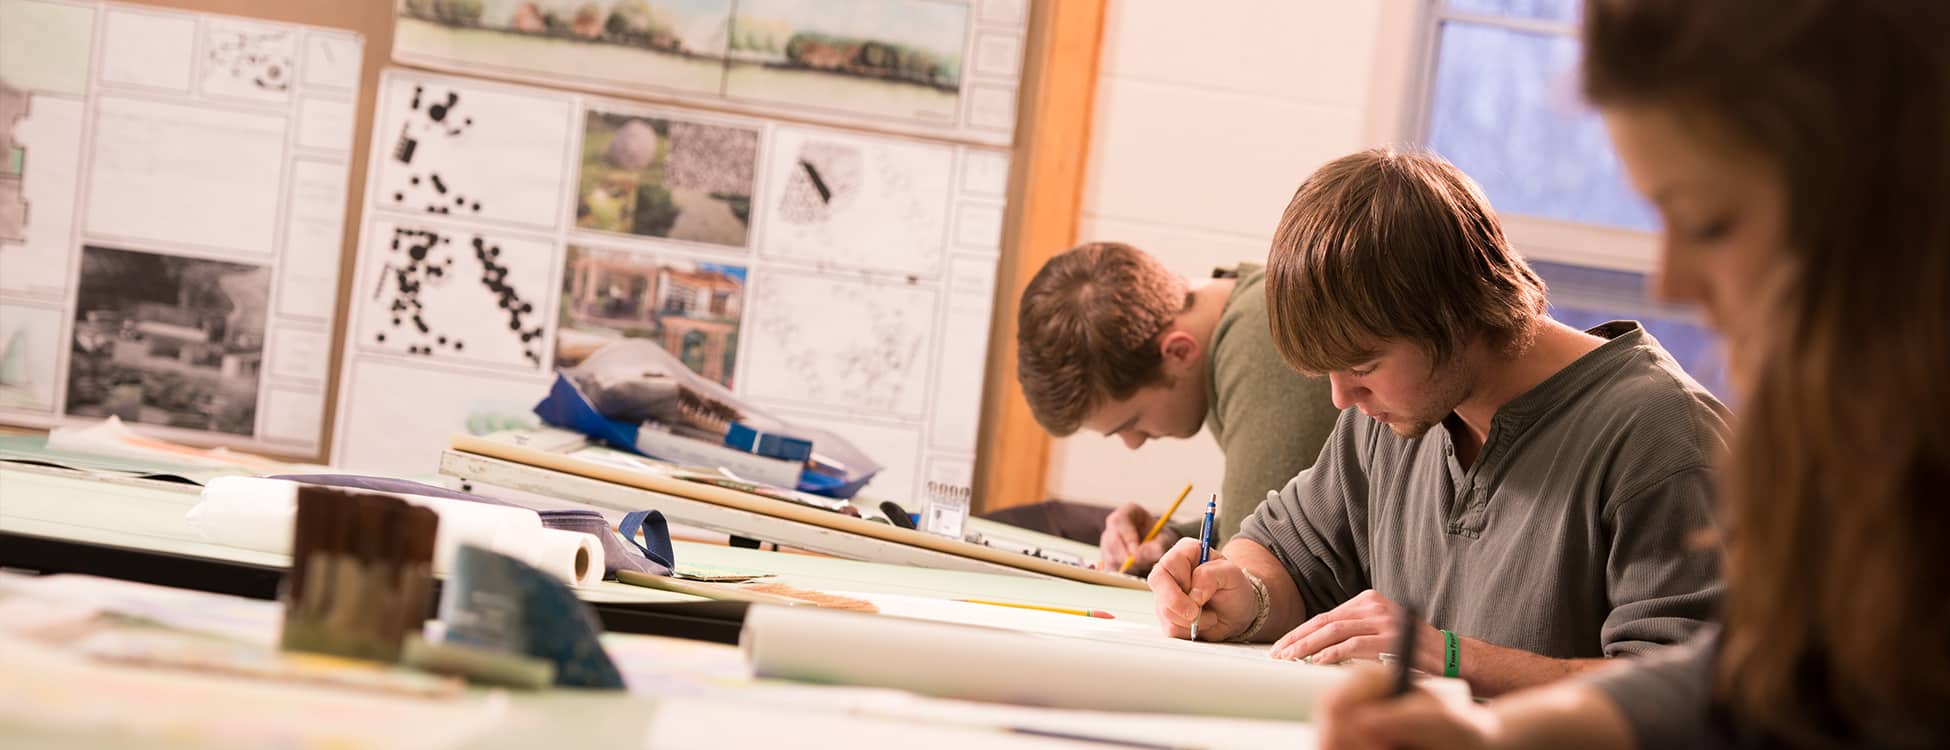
{"type": "Point", "coordinates": [835, 277]}
{"type": "Point", "coordinates": [801, 199]}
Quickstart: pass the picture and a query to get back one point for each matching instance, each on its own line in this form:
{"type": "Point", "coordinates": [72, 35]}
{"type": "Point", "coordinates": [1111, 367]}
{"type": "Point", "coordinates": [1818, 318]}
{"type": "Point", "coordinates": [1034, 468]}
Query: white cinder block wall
{"type": "Point", "coordinates": [1208, 116]}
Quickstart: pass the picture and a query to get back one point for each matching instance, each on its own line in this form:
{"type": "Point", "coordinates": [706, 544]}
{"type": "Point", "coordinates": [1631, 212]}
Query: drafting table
{"type": "Point", "coordinates": [505, 460]}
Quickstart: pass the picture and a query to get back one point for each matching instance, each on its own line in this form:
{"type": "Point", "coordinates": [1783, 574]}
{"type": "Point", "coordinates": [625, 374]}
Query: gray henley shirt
{"type": "Point", "coordinates": [1568, 537]}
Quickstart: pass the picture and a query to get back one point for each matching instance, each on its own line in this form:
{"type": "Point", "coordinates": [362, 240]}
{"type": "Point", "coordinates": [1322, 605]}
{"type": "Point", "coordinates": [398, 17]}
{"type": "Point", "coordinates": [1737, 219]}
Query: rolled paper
{"type": "Point", "coordinates": [986, 664]}
{"type": "Point", "coordinates": [257, 514]}
{"type": "Point", "coordinates": [573, 557]}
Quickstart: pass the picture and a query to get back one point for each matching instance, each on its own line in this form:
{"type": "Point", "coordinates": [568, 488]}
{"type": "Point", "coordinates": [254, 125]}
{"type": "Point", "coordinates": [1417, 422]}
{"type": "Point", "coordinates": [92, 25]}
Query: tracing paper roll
{"type": "Point", "coordinates": [572, 556]}
{"type": "Point", "coordinates": [255, 513]}
{"type": "Point", "coordinates": [976, 663]}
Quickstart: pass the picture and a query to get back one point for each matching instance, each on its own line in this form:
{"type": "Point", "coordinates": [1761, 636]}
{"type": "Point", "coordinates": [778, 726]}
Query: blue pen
{"type": "Point", "coordinates": [1205, 531]}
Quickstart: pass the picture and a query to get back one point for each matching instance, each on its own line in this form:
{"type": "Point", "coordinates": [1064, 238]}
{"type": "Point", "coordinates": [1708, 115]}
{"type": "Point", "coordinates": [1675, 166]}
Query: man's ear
{"type": "Point", "coordinates": [1180, 348]}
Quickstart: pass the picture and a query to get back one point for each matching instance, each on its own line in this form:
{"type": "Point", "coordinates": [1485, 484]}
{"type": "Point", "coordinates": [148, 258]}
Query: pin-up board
{"type": "Point", "coordinates": [816, 221]}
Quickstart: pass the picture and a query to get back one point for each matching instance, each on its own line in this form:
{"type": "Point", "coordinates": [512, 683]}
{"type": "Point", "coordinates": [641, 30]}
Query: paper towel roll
{"type": "Point", "coordinates": [572, 556]}
{"type": "Point", "coordinates": [255, 513]}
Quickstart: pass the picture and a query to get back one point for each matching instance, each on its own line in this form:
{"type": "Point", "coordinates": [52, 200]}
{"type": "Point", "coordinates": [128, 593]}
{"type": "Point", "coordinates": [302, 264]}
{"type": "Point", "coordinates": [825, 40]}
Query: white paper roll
{"type": "Point", "coordinates": [256, 513]}
{"type": "Point", "coordinates": [984, 664]}
{"type": "Point", "coordinates": [572, 556]}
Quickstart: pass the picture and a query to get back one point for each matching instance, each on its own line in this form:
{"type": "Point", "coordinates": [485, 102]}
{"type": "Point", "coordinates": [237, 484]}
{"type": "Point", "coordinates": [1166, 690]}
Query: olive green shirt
{"type": "Point", "coordinates": [1269, 421]}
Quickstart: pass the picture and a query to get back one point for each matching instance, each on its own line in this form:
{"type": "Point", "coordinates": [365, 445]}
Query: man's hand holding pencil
{"type": "Point", "coordinates": [1216, 594]}
{"type": "Point", "coordinates": [1122, 550]}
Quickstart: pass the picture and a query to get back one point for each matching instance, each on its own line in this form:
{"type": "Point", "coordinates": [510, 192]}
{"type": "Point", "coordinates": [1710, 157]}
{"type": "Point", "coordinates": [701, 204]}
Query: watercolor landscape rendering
{"type": "Point", "coordinates": [893, 58]}
{"type": "Point", "coordinates": [658, 177]}
{"type": "Point", "coordinates": [691, 309]}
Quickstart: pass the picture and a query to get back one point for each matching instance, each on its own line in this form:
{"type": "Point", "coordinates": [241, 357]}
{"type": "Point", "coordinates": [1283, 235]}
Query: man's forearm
{"type": "Point", "coordinates": [1283, 597]}
{"type": "Point", "coordinates": [1494, 670]}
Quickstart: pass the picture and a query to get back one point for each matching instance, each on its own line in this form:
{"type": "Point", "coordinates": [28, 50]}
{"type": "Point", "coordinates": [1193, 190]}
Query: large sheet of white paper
{"type": "Point", "coordinates": [1038, 669]}
{"type": "Point", "coordinates": [184, 179]}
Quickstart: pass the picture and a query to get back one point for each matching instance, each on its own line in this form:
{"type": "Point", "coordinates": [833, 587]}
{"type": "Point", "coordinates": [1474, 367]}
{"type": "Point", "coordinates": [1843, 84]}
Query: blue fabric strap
{"type": "Point", "coordinates": [656, 536]}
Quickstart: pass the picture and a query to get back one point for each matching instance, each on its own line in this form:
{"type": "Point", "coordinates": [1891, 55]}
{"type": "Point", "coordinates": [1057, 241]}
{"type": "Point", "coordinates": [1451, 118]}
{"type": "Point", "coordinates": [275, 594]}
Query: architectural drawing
{"type": "Point", "coordinates": [249, 61]}
{"type": "Point", "coordinates": [443, 293]}
{"type": "Point", "coordinates": [857, 203]}
{"type": "Point", "coordinates": [662, 177]}
{"type": "Point", "coordinates": [893, 58]}
{"type": "Point", "coordinates": [453, 149]}
{"type": "Point", "coordinates": [908, 66]}
{"type": "Point", "coordinates": [691, 309]}
{"type": "Point", "coordinates": [841, 344]}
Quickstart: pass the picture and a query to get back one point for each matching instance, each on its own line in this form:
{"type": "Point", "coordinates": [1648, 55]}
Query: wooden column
{"type": "Point", "coordinates": [1046, 190]}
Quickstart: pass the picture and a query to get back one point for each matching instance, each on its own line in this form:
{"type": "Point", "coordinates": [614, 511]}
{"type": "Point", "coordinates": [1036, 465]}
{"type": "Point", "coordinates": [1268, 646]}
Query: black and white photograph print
{"type": "Point", "coordinates": [168, 340]}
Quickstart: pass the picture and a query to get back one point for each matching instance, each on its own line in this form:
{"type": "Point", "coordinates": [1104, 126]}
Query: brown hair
{"type": "Point", "coordinates": [1380, 246]}
{"type": "Point", "coordinates": [1838, 531]}
{"type": "Point", "coordinates": [1087, 330]}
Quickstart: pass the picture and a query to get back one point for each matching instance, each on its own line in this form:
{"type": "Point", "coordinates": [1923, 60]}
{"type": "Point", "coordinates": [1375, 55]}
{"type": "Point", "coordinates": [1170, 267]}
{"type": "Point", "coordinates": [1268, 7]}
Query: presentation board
{"type": "Point", "coordinates": [172, 188]}
{"type": "Point", "coordinates": [836, 278]}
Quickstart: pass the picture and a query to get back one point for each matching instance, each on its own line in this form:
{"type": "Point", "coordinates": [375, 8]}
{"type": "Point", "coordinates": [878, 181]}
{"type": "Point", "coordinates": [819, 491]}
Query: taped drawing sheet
{"type": "Point", "coordinates": [180, 180]}
{"type": "Point", "coordinates": [943, 68]}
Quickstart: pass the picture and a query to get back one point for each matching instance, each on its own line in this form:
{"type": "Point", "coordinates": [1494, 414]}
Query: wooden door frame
{"type": "Point", "coordinates": [1052, 147]}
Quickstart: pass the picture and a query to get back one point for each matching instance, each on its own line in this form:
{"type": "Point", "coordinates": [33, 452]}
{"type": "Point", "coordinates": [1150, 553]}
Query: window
{"type": "Point", "coordinates": [1498, 97]}
{"type": "Point", "coordinates": [1583, 297]}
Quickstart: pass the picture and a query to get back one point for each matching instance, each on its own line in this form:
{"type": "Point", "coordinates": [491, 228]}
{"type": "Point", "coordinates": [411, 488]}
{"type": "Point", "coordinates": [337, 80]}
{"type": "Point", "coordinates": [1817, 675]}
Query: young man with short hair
{"type": "Point", "coordinates": [1529, 487]}
{"type": "Point", "coordinates": [1111, 341]}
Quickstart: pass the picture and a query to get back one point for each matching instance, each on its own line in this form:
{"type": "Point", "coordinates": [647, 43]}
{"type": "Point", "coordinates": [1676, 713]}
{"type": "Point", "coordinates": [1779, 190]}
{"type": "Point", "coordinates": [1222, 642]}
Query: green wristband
{"type": "Point", "coordinates": [1451, 655]}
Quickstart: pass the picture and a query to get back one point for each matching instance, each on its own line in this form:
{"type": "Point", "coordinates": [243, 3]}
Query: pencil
{"type": "Point", "coordinates": [1097, 613]}
{"type": "Point", "coordinates": [1405, 649]}
{"type": "Point", "coordinates": [1130, 560]}
{"type": "Point", "coordinates": [1206, 531]}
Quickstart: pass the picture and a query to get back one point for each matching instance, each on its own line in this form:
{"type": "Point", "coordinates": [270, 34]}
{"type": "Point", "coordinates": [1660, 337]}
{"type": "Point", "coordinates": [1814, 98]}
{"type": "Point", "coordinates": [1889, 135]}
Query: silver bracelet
{"type": "Point", "coordinates": [1262, 608]}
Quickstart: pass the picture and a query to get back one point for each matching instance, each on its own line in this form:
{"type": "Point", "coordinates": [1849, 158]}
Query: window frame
{"type": "Point", "coordinates": [1536, 237]}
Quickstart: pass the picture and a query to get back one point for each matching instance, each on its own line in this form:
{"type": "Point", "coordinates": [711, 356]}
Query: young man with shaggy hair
{"type": "Point", "coordinates": [1530, 488]}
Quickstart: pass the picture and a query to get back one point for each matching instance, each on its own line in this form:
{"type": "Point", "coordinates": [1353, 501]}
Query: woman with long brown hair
{"type": "Point", "coordinates": [1799, 153]}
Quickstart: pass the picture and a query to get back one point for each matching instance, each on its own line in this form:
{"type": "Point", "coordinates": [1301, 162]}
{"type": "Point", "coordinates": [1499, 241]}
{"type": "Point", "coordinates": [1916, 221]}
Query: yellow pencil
{"type": "Point", "coordinates": [1097, 613]}
{"type": "Point", "coordinates": [1130, 560]}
